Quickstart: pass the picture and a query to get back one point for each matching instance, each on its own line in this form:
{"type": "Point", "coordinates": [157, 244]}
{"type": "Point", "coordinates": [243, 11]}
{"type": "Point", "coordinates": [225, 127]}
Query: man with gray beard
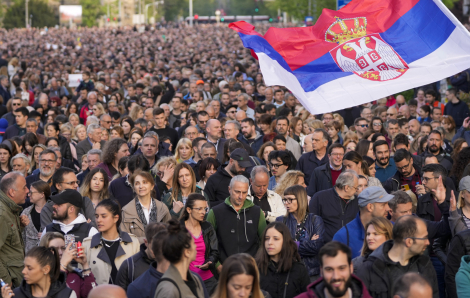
{"type": "Point", "coordinates": [47, 166]}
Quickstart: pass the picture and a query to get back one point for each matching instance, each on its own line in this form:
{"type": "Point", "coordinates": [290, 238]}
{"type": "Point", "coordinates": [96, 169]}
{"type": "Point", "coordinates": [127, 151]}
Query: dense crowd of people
{"type": "Point", "coordinates": [170, 169]}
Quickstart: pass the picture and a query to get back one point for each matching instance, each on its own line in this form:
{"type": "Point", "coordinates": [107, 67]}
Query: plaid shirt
{"type": "Point", "coordinates": [411, 181]}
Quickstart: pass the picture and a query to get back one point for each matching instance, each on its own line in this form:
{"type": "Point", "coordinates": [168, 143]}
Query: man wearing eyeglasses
{"type": "Point", "coordinates": [399, 256]}
{"type": "Point", "coordinates": [392, 113]}
{"type": "Point", "coordinates": [361, 126]}
{"type": "Point", "coordinates": [47, 166]}
{"type": "Point", "coordinates": [231, 112]}
{"type": "Point", "coordinates": [62, 180]}
{"type": "Point", "coordinates": [279, 163]}
{"type": "Point", "coordinates": [407, 176]}
{"type": "Point", "coordinates": [15, 104]}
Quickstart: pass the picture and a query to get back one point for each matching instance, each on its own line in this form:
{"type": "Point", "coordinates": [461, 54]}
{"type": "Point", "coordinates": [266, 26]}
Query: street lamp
{"type": "Point", "coordinates": [190, 13]}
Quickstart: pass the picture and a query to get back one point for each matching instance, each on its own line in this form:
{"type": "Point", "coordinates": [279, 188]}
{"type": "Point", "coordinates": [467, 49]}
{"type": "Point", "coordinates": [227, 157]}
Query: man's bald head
{"type": "Point", "coordinates": [240, 116]}
{"type": "Point", "coordinates": [211, 112]}
{"type": "Point", "coordinates": [107, 291]}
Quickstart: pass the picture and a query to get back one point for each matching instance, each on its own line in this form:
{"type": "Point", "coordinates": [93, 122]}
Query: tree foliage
{"type": "Point", "coordinates": [299, 9]}
{"type": "Point", "coordinates": [92, 10]}
{"type": "Point", "coordinates": [43, 15]}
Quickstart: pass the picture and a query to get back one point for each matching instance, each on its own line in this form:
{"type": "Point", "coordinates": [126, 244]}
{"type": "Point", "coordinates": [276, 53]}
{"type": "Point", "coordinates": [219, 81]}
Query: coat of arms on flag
{"type": "Point", "coordinates": [368, 56]}
{"type": "Point", "coordinates": [367, 50]}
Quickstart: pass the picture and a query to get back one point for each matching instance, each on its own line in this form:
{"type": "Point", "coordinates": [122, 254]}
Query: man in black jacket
{"type": "Point", "coordinates": [337, 206]}
{"type": "Point", "coordinates": [459, 247]}
{"type": "Point", "coordinates": [322, 178]}
{"type": "Point", "coordinates": [434, 147]}
{"type": "Point", "coordinates": [217, 185]}
{"type": "Point", "coordinates": [318, 156]}
{"type": "Point", "coordinates": [139, 263]}
{"type": "Point", "coordinates": [398, 256]}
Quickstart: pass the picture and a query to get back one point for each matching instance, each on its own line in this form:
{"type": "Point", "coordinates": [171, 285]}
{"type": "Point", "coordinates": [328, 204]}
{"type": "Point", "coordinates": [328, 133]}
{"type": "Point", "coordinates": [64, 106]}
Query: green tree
{"type": "Point", "coordinates": [91, 11]}
{"type": "Point", "coordinates": [299, 9]}
{"type": "Point", "coordinates": [43, 15]}
{"type": "Point", "coordinates": [175, 8]}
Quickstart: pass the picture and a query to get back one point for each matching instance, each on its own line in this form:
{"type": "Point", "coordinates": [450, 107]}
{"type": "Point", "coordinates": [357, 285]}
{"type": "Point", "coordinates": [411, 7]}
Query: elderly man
{"type": "Point", "coordinates": [107, 291]}
{"type": "Point", "coordinates": [392, 113]}
{"type": "Point", "coordinates": [105, 121]}
{"type": "Point", "coordinates": [404, 112]}
{"type": "Point", "coordinates": [92, 142]}
{"type": "Point", "coordinates": [367, 114]}
{"type": "Point", "coordinates": [191, 133]}
{"type": "Point", "coordinates": [94, 159]}
{"type": "Point", "coordinates": [309, 161]}
{"type": "Point", "coordinates": [336, 205]}
{"type": "Point", "coordinates": [13, 192]}
{"type": "Point", "coordinates": [92, 98]}
{"type": "Point", "coordinates": [243, 106]}
{"type": "Point", "coordinates": [47, 166]}
{"type": "Point", "coordinates": [269, 201]}
{"type": "Point", "coordinates": [215, 104]}
{"type": "Point", "coordinates": [56, 90]}
{"type": "Point", "coordinates": [20, 163]}
{"type": "Point", "coordinates": [414, 128]}
{"type": "Point", "coordinates": [233, 216]}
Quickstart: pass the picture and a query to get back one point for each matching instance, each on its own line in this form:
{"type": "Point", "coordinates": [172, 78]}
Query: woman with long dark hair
{"type": "Point", "coordinates": [207, 168]}
{"type": "Point", "coordinates": [353, 161]}
{"type": "Point", "coordinates": [53, 131]}
{"type": "Point", "coordinates": [29, 141]}
{"type": "Point", "coordinates": [205, 239]}
{"type": "Point", "coordinates": [42, 276]}
{"type": "Point", "coordinates": [239, 278]}
{"type": "Point", "coordinates": [95, 186]}
{"type": "Point", "coordinates": [282, 273]}
{"type": "Point", "coordinates": [184, 184]}
{"type": "Point", "coordinates": [110, 241]}
{"type": "Point", "coordinates": [5, 156]}
{"type": "Point", "coordinates": [179, 249]}
{"type": "Point", "coordinates": [306, 228]}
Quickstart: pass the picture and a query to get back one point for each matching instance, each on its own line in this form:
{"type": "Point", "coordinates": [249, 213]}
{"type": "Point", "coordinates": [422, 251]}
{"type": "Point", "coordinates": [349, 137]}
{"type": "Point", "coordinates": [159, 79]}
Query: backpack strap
{"type": "Point", "coordinates": [255, 160]}
{"type": "Point", "coordinates": [130, 269]}
{"type": "Point", "coordinates": [286, 284]}
{"type": "Point", "coordinates": [172, 281]}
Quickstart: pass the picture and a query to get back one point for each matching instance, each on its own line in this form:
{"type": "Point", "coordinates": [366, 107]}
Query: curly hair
{"type": "Point", "coordinates": [460, 163]}
{"type": "Point", "coordinates": [288, 179]}
{"type": "Point", "coordinates": [110, 150]}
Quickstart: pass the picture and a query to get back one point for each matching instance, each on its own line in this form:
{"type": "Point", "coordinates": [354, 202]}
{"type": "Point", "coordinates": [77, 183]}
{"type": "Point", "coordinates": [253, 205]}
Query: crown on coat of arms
{"type": "Point", "coordinates": [343, 30]}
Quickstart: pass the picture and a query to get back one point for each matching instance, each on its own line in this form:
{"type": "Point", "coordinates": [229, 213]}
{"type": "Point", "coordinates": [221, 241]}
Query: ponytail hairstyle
{"type": "Point", "coordinates": [357, 158]}
{"type": "Point", "coordinates": [113, 207]}
{"type": "Point", "coordinates": [177, 240]}
{"type": "Point", "coordinates": [192, 198]}
{"type": "Point", "coordinates": [46, 256]}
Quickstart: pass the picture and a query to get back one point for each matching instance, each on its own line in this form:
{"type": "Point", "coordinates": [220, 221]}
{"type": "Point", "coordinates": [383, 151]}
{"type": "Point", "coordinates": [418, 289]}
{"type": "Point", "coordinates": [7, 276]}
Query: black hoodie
{"type": "Point", "coordinates": [216, 187]}
{"type": "Point", "coordinates": [58, 289]}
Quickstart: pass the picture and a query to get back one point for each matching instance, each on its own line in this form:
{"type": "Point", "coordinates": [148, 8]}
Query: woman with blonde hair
{"type": "Point", "coordinates": [117, 133]}
{"type": "Point", "coordinates": [98, 110]}
{"type": "Point", "coordinates": [80, 133]}
{"type": "Point", "coordinates": [74, 120]}
{"type": "Point", "coordinates": [340, 119]}
{"type": "Point", "coordinates": [239, 278]}
{"type": "Point", "coordinates": [184, 150]}
{"type": "Point", "coordinates": [136, 112]}
{"type": "Point", "coordinates": [184, 184]}
{"type": "Point", "coordinates": [290, 178]}
{"type": "Point", "coordinates": [312, 124]}
{"type": "Point", "coordinates": [35, 155]}
{"type": "Point", "coordinates": [448, 123]}
{"type": "Point", "coordinates": [378, 230]}
{"type": "Point", "coordinates": [13, 67]}
{"type": "Point", "coordinates": [164, 170]}
{"type": "Point", "coordinates": [309, 237]}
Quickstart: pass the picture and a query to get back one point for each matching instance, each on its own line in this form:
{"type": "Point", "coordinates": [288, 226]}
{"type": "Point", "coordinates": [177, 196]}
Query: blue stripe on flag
{"type": "Point", "coordinates": [425, 27]}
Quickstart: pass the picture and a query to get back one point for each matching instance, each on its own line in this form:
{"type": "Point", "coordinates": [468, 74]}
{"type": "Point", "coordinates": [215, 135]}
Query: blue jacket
{"type": "Point", "coordinates": [308, 162]}
{"type": "Point", "coordinates": [329, 205]}
{"type": "Point", "coordinates": [255, 143]}
{"type": "Point", "coordinates": [383, 174]}
{"type": "Point", "coordinates": [146, 284]}
{"type": "Point", "coordinates": [308, 249]}
{"type": "Point", "coordinates": [352, 235]}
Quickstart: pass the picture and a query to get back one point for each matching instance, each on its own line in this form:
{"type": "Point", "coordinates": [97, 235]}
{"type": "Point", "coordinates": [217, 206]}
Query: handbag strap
{"type": "Point", "coordinates": [286, 284]}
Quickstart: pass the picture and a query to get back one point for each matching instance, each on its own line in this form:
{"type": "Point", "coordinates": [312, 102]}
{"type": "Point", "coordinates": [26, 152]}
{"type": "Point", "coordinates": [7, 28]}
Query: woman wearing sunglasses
{"type": "Point", "coordinates": [205, 239]}
{"type": "Point", "coordinates": [306, 228]}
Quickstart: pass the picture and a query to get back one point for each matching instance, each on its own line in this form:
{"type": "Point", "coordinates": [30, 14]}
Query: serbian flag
{"type": "Point", "coordinates": [368, 50]}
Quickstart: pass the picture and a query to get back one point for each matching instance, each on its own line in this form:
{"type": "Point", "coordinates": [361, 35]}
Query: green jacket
{"type": "Point", "coordinates": [11, 241]}
{"type": "Point", "coordinates": [167, 200]}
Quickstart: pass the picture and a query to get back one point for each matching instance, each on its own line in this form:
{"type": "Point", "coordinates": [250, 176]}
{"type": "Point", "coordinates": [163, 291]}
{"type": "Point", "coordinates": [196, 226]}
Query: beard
{"type": "Point", "coordinates": [433, 149]}
{"type": "Point", "coordinates": [383, 161]}
{"type": "Point", "coordinates": [338, 292]}
{"type": "Point", "coordinates": [234, 171]}
{"type": "Point", "coordinates": [45, 172]}
{"type": "Point", "coordinates": [59, 217]}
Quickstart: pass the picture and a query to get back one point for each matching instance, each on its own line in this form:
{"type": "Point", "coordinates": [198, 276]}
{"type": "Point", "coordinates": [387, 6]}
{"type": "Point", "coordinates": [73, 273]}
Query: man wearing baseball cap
{"type": "Point", "coordinates": [66, 217]}
{"type": "Point", "coordinates": [217, 185]}
{"type": "Point", "coordinates": [373, 202]}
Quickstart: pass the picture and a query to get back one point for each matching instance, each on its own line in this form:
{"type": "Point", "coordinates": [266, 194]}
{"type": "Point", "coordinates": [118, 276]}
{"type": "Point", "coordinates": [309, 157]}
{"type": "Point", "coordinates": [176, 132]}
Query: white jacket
{"type": "Point", "coordinates": [275, 202]}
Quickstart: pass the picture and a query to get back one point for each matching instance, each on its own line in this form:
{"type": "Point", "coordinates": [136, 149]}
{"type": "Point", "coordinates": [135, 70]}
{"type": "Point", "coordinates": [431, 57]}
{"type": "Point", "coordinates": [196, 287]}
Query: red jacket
{"type": "Point", "coordinates": [316, 289]}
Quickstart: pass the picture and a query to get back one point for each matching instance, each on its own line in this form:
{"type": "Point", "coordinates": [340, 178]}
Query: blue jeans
{"type": "Point", "coordinates": [440, 271]}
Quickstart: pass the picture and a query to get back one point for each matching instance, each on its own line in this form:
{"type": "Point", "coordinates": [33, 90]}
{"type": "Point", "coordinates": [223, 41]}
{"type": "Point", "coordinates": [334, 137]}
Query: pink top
{"type": "Point", "coordinates": [200, 257]}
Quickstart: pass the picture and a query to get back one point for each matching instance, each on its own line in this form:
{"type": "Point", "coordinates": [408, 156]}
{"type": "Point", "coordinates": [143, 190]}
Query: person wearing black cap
{"type": "Point", "coordinates": [67, 218]}
{"type": "Point", "coordinates": [217, 185]}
